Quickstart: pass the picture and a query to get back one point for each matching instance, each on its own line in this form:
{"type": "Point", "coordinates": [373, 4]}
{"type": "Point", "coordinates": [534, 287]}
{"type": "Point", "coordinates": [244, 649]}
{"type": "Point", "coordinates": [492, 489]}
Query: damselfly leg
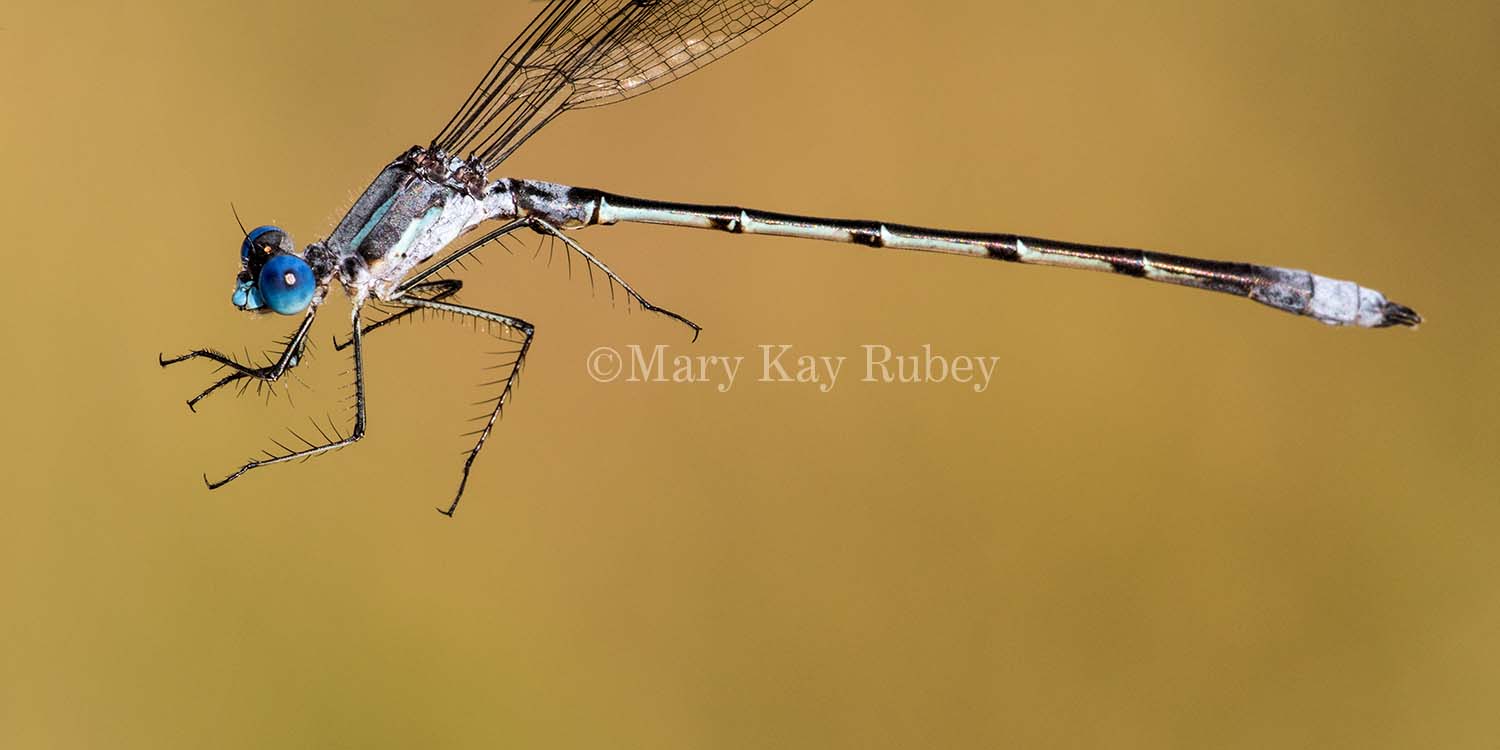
{"type": "Point", "coordinates": [291, 356]}
{"type": "Point", "coordinates": [430, 296]}
{"type": "Point", "coordinates": [428, 290]}
{"type": "Point", "coordinates": [542, 227]}
{"type": "Point", "coordinates": [546, 229]}
{"type": "Point", "coordinates": [333, 443]}
{"type": "Point", "coordinates": [527, 331]}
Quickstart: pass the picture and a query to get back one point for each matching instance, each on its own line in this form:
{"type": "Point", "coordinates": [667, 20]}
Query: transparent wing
{"type": "Point", "coordinates": [588, 53]}
{"type": "Point", "coordinates": [675, 39]}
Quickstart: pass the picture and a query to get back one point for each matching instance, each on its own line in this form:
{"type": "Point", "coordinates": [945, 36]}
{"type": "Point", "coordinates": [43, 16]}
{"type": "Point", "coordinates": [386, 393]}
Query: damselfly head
{"type": "Point", "coordinates": [272, 276]}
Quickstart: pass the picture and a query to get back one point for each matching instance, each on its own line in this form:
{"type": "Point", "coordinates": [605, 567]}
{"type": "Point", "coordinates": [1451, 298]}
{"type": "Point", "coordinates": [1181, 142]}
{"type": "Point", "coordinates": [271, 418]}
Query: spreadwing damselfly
{"type": "Point", "coordinates": [579, 54]}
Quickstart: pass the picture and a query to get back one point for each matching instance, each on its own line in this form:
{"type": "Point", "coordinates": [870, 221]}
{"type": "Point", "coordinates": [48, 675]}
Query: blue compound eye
{"type": "Point", "coordinates": [286, 284]}
{"type": "Point", "coordinates": [266, 235]}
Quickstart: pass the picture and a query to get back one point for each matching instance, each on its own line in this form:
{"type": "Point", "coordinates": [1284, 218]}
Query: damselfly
{"type": "Point", "coordinates": [588, 53]}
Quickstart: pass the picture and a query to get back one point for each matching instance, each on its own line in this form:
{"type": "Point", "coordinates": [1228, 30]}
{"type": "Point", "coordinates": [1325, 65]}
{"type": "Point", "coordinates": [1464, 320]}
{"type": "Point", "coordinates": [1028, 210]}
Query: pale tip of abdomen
{"type": "Point", "coordinates": [1334, 302]}
{"type": "Point", "coordinates": [1344, 303]}
{"type": "Point", "coordinates": [1375, 311]}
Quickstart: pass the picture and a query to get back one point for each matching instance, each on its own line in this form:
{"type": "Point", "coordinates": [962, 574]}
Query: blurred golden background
{"type": "Point", "coordinates": [1176, 519]}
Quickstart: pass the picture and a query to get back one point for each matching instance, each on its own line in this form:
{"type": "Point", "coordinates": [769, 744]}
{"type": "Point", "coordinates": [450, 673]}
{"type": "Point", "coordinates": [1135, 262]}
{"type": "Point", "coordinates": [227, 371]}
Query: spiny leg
{"type": "Point", "coordinates": [429, 290]}
{"type": "Point", "coordinates": [527, 331]}
{"type": "Point", "coordinates": [245, 380]}
{"type": "Point", "coordinates": [313, 450]}
{"type": "Point", "coordinates": [291, 356]}
{"type": "Point", "coordinates": [544, 228]}
{"type": "Point", "coordinates": [192, 403]}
